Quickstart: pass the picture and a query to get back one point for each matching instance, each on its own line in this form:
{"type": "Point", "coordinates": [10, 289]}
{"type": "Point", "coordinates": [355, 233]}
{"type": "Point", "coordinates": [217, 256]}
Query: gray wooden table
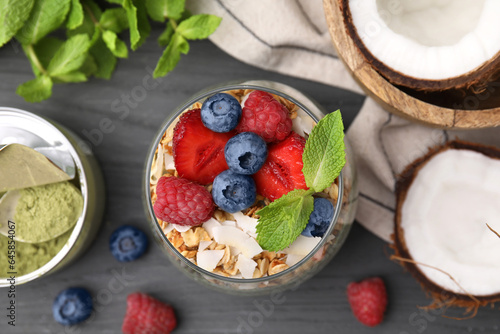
{"type": "Point", "coordinates": [318, 306]}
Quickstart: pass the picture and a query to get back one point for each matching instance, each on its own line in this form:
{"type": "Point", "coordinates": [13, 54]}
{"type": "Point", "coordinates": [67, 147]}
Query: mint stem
{"type": "Point", "coordinates": [34, 58]}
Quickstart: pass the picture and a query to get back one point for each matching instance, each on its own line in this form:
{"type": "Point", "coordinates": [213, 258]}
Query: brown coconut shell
{"type": "Point", "coordinates": [475, 79]}
{"type": "Point", "coordinates": [440, 295]}
{"type": "Point", "coordinates": [451, 109]}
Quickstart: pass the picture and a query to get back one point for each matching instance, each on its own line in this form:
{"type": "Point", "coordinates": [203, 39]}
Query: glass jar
{"type": "Point", "coordinates": [324, 251]}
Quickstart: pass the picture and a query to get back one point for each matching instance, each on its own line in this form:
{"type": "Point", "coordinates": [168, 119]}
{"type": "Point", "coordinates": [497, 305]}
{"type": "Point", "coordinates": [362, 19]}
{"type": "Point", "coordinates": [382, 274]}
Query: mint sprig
{"type": "Point", "coordinates": [31, 22]}
{"type": "Point", "coordinates": [282, 221]}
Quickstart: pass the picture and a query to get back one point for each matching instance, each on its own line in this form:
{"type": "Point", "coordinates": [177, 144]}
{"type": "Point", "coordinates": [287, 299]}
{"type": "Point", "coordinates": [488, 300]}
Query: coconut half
{"type": "Point", "coordinates": [445, 202]}
{"type": "Point", "coordinates": [428, 45]}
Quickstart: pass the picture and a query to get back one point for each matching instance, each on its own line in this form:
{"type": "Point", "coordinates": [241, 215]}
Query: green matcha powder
{"type": "Point", "coordinates": [42, 212]}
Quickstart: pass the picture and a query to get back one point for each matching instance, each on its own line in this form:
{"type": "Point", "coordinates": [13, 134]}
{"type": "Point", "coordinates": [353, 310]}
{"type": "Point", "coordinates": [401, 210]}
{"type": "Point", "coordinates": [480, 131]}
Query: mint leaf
{"type": "Point", "coordinates": [159, 10]}
{"type": "Point", "coordinates": [282, 221]}
{"type": "Point", "coordinates": [138, 22]}
{"type": "Point", "coordinates": [114, 19]}
{"type": "Point", "coordinates": [46, 16]}
{"type": "Point", "coordinates": [324, 153]}
{"type": "Point", "coordinates": [166, 35]}
{"type": "Point", "coordinates": [104, 59]}
{"type": "Point", "coordinates": [198, 26]}
{"type": "Point", "coordinates": [70, 56]}
{"type": "Point", "coordinates": [171, 55]}
{"type": "Point", "coordinates": [75, 17]}
{"type": "Point", "coordinates": [36, 90]}
{"type": "Point", "coordinates": [114, 44]}
{"type": "Point", "coordinates": [89, 66]}
{"type": "Point", "coordinates": [40, 54]}
{"type": "Point", "coordinates": [13, 14]}
{"type": "Point", "coordinates": [75, 76]}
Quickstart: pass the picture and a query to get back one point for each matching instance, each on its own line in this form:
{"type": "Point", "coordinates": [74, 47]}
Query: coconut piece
{"type": "Point", "coordinates": [302, 245]}
{"type": "Point", "coordinates": [427, 45]}
{"type": "Point", "coordinates": [246, 223]}
{"type": "Point", "coordinates": [246, 266]}
{"type": "Point", "coordinates": [208, 259]}
{"type": "Point", "coordinates": [233, 236]}
{"type": "Point", "coordinates": [181, 228]}
{"type": "Point", "coordinates": [228, 223]}
{"type": "Point", "coordinates": [209, 226]}
{"type": "Point", "coordinates": [293, 259]}
{"type": "Point", "coordinates": [444, 201]}
{"type": "Point", "coordinates": [204, 245]}
{"type": "Point", "coordinates": [168, 228]}
{"type": "Point", "coordinates": [234, 251]}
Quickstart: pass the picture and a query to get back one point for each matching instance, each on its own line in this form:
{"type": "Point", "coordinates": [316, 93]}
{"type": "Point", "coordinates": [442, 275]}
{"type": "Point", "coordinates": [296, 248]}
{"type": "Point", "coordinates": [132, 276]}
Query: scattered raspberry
{"type": "Point", "coordinates": [265, 116]}
{"type": "Point", "coordinates": [180, 201]}
{"type": "Point", "coordinates": [368, 300]}
{"type": "Point", "coordinates": [146, 315]}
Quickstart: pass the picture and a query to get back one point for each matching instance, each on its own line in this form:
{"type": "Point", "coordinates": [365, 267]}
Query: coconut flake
{"type": "Point", "coordinates": [168, 228]}
{"type": "Point", "coordinates": [234, 251]}
{"type": "Point", "coordinates": [303, 125]}
{"type": "Point", "coordinates": [233, 236]}
{"type": "Point", "coordinates": [181, 228]}
{"type": "Point", "coordinates": [203, 245]}
{"type": "Point", "coordinates": [302, 245]}
{"type": "Point", "coordinates": [208, 259]}
{"type": "Point", "coordinates": [293, 259]}
{"type": "Point", "coordinates": [247, 224]}
{"type": "Point", "coordinates": [250, 247]}
{"type": "Point", "coordinates": [246, 266]}
{"type": "Point", "coordinates": [228, 223]}
{"type": "Point", "coordinates": [209, 226]}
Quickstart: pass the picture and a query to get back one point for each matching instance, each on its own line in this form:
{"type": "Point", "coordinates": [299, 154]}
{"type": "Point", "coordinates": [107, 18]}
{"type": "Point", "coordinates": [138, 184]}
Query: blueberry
{"type": "Point", "coordinates": [320, 218]}
{"type": "Point", "coordinates": [221, 112]}
{"type": "Point", "coordinates": [127, 243]}
{"type": "Point", "coordinates": [72, 306]}
{"type": "Point", "coordinates": [245, 153]}
{"type": "Point", "coordinates": [233, 192]}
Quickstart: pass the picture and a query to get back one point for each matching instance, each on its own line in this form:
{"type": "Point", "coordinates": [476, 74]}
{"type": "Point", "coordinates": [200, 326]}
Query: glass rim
{"type": "Point", "coordinates": [149, 160]}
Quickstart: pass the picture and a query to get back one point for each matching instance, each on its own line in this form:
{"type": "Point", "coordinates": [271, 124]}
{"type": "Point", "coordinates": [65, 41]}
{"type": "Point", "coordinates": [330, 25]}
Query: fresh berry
{"type": "Point", "coordinates": [368, 300]}
{"type": "Point", "coordinates": [127, 243]}
{"type": "Point", "coordinates": [320, 218]}
{"type": "Point", "coordinates": [198, 151]}
{"type": "Point", "coordinates": [265, 116]}
{"type": "Point", "coordinates": [221, 112]}
{"type": "Point", "coordinates": [72, 306]}
{"type": "Point", "coordinates": [282, 171]}
{"type": "Point", "coordinates": [147, 315]}
{"type": "Point", "coordinates": [245, 153]}
{"type": "Point", "coordinates": [180, 201]}
{"type": "Point", "coordinates": [233, 192]}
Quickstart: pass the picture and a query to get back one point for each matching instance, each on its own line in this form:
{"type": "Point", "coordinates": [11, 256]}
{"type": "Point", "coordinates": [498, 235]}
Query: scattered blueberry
{"type": "Point", "coordinates": [127, 243]}
{"type": "Point", "coordinates": [233, 192]}
{"type": "Point", "coordinates": [320, 218]}
{"type": "Point", "coordinates": [72, 306]}
{"type": "Point", "coordinates": [245, 153]}
{"type": "Point", "coordinates": [221, 112]}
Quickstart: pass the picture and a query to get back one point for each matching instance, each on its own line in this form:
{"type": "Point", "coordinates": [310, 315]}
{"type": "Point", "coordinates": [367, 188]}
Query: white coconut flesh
{"type": "Point", "coordinates": [429, 39]}
{"type": "Point", "coordinates": [444, 216]}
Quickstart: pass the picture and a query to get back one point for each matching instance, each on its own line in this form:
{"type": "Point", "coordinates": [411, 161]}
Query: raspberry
{"type": "Point", "coordinates": [265, 116]}
{"type": "Point", "coordinates": [180, 201]}
{"type": "Point", "coordinates": [368, 300]}
{"type": "Point", "coordinates": [147, 315]}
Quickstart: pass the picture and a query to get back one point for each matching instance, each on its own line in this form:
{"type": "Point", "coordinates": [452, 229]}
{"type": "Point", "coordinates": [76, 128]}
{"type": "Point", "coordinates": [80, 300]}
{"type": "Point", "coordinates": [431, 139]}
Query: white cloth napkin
{"type": "Point", "coordinates": [291, 37]}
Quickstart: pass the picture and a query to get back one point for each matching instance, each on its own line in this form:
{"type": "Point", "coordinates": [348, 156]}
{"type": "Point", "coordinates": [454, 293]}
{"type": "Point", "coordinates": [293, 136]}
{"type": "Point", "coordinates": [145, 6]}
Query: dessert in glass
{"type": "Point", "coordinates": [218, 180]}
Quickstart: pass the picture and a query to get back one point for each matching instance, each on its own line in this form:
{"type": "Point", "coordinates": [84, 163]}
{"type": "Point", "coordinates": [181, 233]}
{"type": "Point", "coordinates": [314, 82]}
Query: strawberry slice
{"type": "Point", "coordinates": [198, 151]}
{"type": "Point", "coordinates": [282, 171]}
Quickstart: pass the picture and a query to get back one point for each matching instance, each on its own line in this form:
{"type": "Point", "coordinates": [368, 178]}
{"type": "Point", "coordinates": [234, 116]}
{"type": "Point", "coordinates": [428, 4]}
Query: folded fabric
{"type": "Point", "coordinates": [291, 37]}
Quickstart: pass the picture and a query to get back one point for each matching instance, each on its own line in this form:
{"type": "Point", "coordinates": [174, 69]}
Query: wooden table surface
{"type": "Point", "coordinates": [318, 306]}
